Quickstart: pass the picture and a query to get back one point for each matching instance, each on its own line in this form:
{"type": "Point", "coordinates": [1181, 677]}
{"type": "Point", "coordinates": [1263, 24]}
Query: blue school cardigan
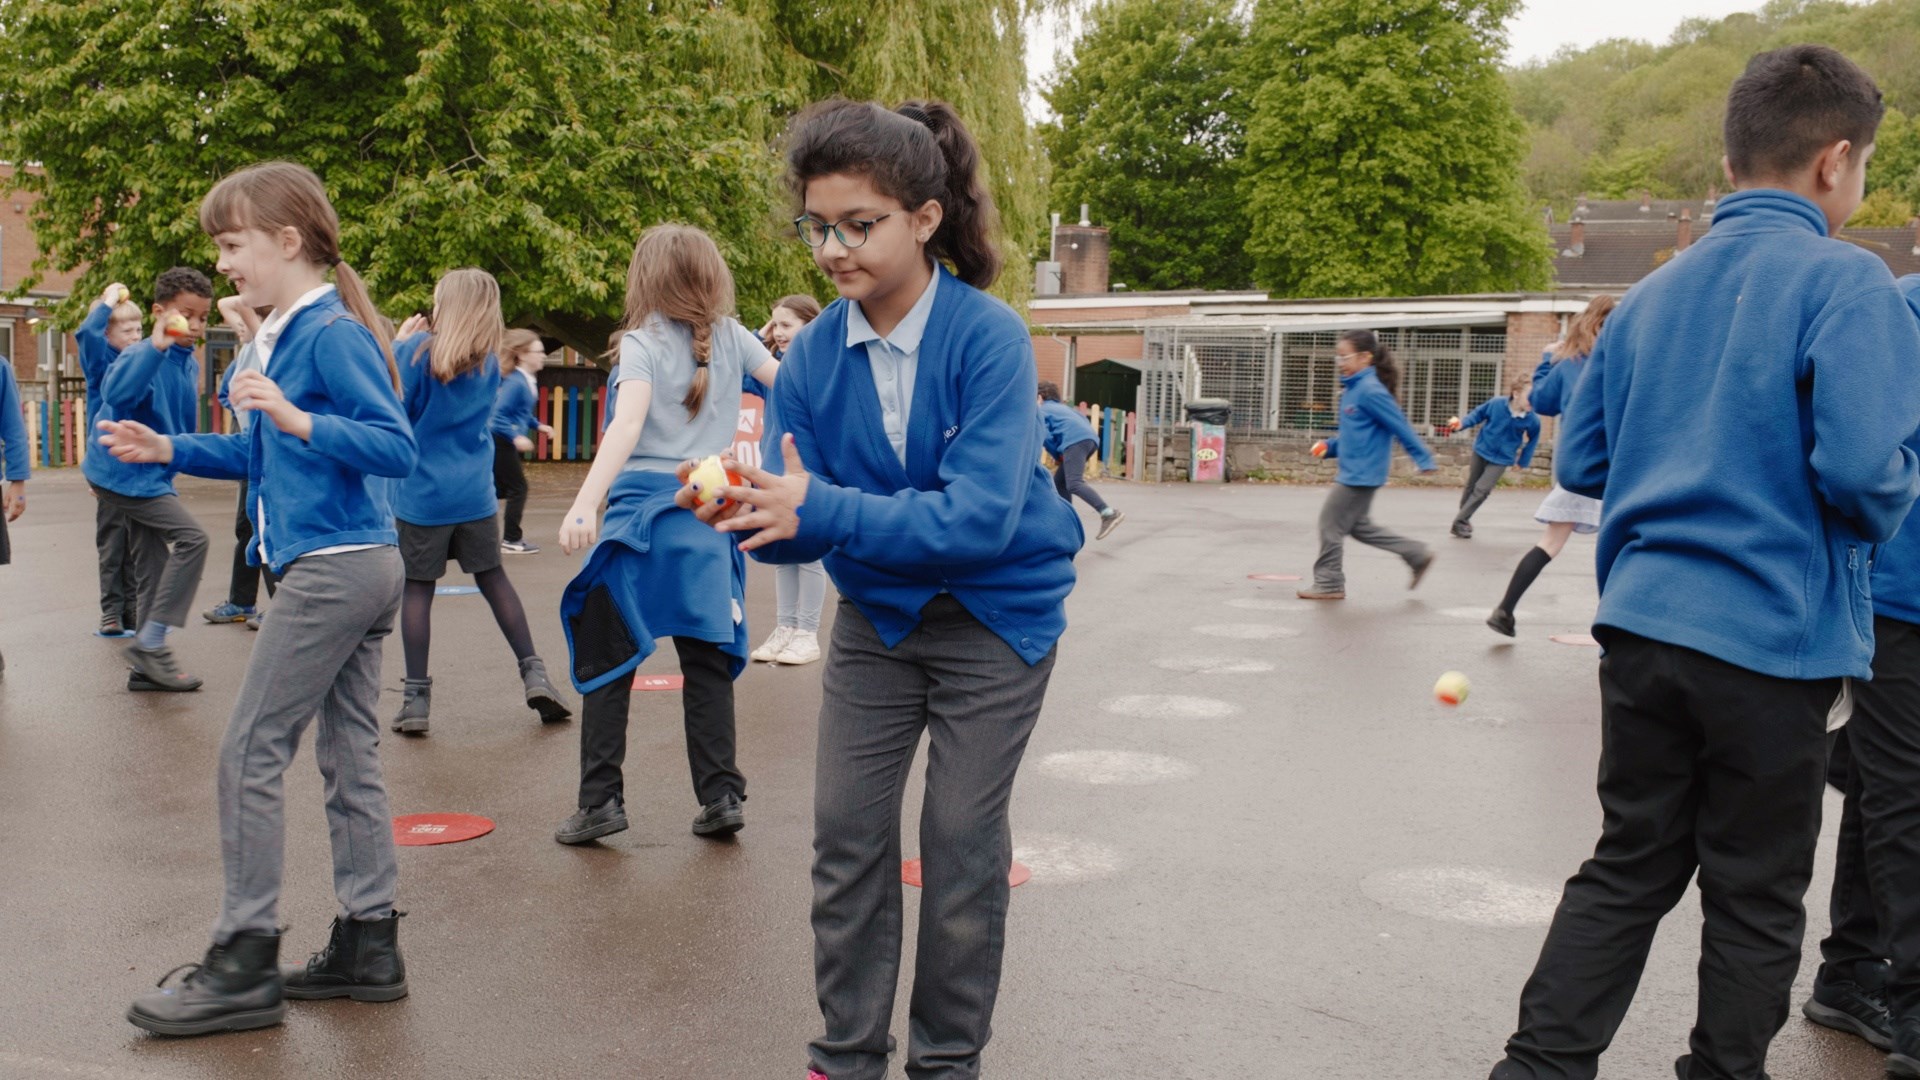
{"type": "Point", "coordinates": [514, 407]}
{"type": "Point", "coordinates": [17, 461]}
{"type": "Point", "coordinates": [96, 356]}
{"type": "Point", "coordinates": [1500, 441]}
{"type": "Point", "coordinates": [1065, 426]}
{"type": "Point", "coordinates": [322, 492]}
{"type": "Point", "coordinates": [452, 482]}
{"type": "Point", "coordinates": [1554, 382]}
{"type": "Point", "coordinates": [1370, 421]}
{"type": "Point", "coordinates": [657, 572]}
{"type": "Point", "coordinates": [1896, 566]}
{"type": "Point", "coordinates": [972, 512]}
{"type": "Point", "coordinates": [1744, 415]}
{"type": "Point", "coordinates": [158, 389]}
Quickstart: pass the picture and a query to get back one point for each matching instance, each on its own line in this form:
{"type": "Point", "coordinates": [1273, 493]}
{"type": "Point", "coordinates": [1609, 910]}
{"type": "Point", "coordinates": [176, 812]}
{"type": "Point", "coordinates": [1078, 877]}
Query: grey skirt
{"type": "Point", "coordinates": [1564, 507]}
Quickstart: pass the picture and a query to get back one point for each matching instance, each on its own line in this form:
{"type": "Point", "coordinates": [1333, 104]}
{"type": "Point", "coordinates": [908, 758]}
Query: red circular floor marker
{"type": "Point", "coordinates": [1017, 876]}
{"type": "Point", "coordinates": [1273, 577]}
{"type": "Point", "coordinates": [415, 830]}
{"type": "Point", "coordinates": [1575, 639]}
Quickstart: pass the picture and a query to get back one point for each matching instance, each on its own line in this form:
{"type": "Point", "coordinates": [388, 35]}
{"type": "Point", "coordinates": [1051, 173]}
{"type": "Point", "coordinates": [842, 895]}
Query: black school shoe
{"type": "Point", "coordinates": [723, 816]}
{"type": "Point", "coordinates": [1843, 1001]}
{"type": "Point", "coordinates": [1905, 1058]}
{"type": "Point", "coordinates": [236, 988]}
{"type": "Point", "coordinates": [1501, 621]}
{"type": "Point", "coordinates": [361, 961]}
{"type": "Point", "coordinates": [592, 824]}
{"type": "Point", "coordinates": [158, 667]}
{"type": "Point", "coordinates": [1680, 1067]}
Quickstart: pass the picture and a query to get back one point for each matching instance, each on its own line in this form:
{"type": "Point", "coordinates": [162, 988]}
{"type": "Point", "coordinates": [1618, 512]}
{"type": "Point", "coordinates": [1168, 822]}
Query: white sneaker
{"type": "Point", "coordinates": [776, 644]}
{"type": "Point", "coordinates": [804, 648]}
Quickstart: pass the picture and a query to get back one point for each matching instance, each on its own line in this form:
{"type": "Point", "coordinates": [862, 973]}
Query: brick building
{"type": "Point", "coordinates": [25, 338]}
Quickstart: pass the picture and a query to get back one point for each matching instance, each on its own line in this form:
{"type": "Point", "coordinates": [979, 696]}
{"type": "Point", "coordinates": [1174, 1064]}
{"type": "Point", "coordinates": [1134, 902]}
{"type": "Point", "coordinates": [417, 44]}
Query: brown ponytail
{"type": "Point", "coordinates": [677, 274]}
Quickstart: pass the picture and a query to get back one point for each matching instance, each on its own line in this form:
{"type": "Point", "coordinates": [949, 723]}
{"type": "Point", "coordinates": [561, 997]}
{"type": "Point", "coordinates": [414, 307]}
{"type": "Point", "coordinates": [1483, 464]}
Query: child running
{"type": "Point", "coordinates": [16, 465]}
{"type": "Point", "coordinates": [243, 584]}
{"type": "Point", "coordinates": [1562, 512]}
{"type": "Point", "coordinates": [330, 421]}
{"type": "Point", "coordinates": [156, 384]}
{"type": "Point", "coordinates": [654, 571]}
{"type": "Point", "coordinates": [522, 355]}
{"type": "Point", "coordinates": [445, 509]}
{"type": "Point", "coordinates": [1071, 441]}
{"type": "Point", "coordinates": [1509, 437]}
{"type": "Point", "coordinates": [112, 325]}
{"type": "Point", "coordinates": [1370, 421]}
{"type": "Point", "coordinates": [910, 403]}
{"type": "Point", "coordinates": [799, 589]}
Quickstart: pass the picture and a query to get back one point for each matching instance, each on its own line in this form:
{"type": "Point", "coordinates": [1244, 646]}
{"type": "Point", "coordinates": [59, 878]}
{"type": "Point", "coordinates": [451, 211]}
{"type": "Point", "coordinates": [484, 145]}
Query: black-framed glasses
{"type": "Point", "coordinates": [813, 231]}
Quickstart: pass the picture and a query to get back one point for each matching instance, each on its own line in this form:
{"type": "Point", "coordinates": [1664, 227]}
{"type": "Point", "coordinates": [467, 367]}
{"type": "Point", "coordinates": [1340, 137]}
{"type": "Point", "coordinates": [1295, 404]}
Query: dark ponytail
{"type": "Point", "coordinates": [1384, 365]}
{"type": "Point", "coordinates": [918, 154]}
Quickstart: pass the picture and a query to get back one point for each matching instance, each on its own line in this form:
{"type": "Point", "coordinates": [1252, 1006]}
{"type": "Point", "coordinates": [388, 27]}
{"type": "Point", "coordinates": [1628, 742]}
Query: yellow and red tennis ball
{"type": "Point", "coordinates": [177, 326]}
{"type": "Point", "coordinates": [1452, 688]}
{"type": "Point", "coordinates": [708, 478]}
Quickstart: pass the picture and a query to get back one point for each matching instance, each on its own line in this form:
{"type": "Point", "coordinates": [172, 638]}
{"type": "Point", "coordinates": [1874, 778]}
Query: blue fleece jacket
{"type": "Point", "coordinates": [453, 480]}
{"type": "Point", "coordinates": [321, 492]}
{"type": "Point", "coordinates": [1744, 415]}
{"type": "Point", "coordinates": [96, 356]}
{"type": "Point", "coordinates": [1065, 426]}
{"type": "Point", "coordinates": [1501, 440]}
{"type": "Point", "coordinates": [160, 390]}
{"type": "Point", "coordinates": [1554, 383]}
{"type": "Point", "coordinates": [1896, 566]}
{"type": "Point", "coordinates": [16, 456]}
{"type": "Point", "coordinates": [972, 511]}
{"type": "Point", "coordinates": [1370, 420]}
{"type": "Point", "coordinates": [513, 407]}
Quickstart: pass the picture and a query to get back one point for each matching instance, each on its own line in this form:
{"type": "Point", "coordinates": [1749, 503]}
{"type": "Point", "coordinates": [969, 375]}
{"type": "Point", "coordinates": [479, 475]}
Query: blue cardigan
{"type": "Point", "coordinates": [1554, 383]}
{"type": "Point", "coordinates": [1743, 415]}
{"type": "Point", "coordinates": [17, 462]}
{"type": "Point", "coordinates": [1065, 426]}
{"type": "Point", "coordinates": [513, 408]}
{"type": "Point", "coordinates": [1896, 567]}
{"type": "Point", "coordinates": [453, 481]}
{"type": "Point", "coordinates": [1370, 420]}
{"type": "Point", "coordinates": [96, 356]}
{"type": "Point", "coordinates": [318, 493]}
{"type": "Point", "coordinates": [973, 512]}
{"type": "Point", "coordinates": [1501, 440]}
{"type": "Point", "coordinates": [160, 390]}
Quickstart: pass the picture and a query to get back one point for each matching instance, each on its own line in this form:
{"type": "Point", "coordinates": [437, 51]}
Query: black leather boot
{"type": "Point", "coordinates": [235, 988]}
{"type": "Point", "coordinates": [361, 961]}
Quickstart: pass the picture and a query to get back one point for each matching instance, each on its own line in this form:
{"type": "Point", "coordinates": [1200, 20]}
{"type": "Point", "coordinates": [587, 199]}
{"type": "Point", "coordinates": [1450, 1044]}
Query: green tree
{"type": "Point", "coordinates": [1384, 152]}
{"type": "Point", "coordinates": [1151, 129]}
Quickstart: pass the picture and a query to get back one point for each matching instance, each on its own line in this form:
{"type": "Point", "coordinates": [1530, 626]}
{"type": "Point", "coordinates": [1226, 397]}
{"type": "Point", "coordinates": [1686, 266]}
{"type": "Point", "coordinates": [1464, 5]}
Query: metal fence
{"type": "Point", "coordinates": [1286, 381]}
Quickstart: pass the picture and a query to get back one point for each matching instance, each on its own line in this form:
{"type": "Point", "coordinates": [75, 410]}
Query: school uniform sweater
{"type": "Point", "coordinates": [1896, 566]}
{"type": "Point", "coordinates": [158, 389]}
{"type": "Point", "coordinates": [452, 482]}
{"type": "Point", "coordinates": [1744, 415]}
{"type": "Point", "coordinates": [321, 492]}
{"type": "Point", "coordinates": [513, 407]}
{"type": "Point", "coordinates": [96, 356]}
{"type": "Point", "coordinates": [972, 512]}
{"type": "Point", "coordinates": [1370, 421]}
{"type": "Point", "coordinates": [1505, 437]}
{"type": "Point", "coordinates": [1065, 427]}
{"type": "Point", "coordinates": [1554, 383]}
{"type": "Point", "coordinates": [16, 457]}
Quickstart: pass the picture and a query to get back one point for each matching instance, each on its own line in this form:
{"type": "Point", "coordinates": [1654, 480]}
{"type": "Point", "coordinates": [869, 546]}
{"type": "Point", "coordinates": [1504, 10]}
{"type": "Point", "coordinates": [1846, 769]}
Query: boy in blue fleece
{"type": "Point", "coordinates": [1070, 439]}
{"type": "Point", "coordinates": [1745, 415]}
{"type": "Point", "coordinates": [112, 325]}
{"type": "Point", "coordinates": [1510, 436]}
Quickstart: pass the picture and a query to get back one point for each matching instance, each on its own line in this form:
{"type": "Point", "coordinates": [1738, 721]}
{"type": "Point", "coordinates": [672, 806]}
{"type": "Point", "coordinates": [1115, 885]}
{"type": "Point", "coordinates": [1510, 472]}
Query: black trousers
{"type": "Point", "coordinates": [1703, 766]}
{"type": "Point", "coordinates": [510, 484]}
{"type": "Point", "coordinates": [1071, 477]}
{"type": "Point", "coordinates": [1876, 879]}
{"type": "Point", "coordinates": [708, 703]}
{"type": "Point", "coordinates": [243, 586]}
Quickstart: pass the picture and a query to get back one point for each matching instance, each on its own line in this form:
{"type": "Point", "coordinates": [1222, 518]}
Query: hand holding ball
{"type": "Point", "coordinates": [1451, 689]}
{"type": "Point", "coordinates": [708, 478]}
{"type": "Point", "coordinates": [177, 326]}
{"type": "Point", "coordinates": [1319, 448]}
{"type": "Point", "coordinates": [1453, 423]}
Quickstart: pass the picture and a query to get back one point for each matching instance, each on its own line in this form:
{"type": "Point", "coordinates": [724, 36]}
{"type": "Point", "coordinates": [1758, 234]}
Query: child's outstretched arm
{"type": "Point", "coordinates": [1386, 412]}
{"type": "Point", "coordinates": [580, 529]}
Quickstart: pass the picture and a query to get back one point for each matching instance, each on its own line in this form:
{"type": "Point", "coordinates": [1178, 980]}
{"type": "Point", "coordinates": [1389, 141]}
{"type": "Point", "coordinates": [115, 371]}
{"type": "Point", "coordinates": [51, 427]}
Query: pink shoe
{"type": "Point", "coordinates": [816, 1074]}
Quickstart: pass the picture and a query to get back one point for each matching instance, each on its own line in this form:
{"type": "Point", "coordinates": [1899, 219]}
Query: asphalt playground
{"type": "Point", "coordinates": [1259, 848]}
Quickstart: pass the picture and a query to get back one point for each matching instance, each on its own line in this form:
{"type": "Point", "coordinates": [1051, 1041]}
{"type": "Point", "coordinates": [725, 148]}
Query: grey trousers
{"type": "Point", "coordinates": [318, 656]}
{"type": "Point", "coordinates": [1345, 514]}
{"type": "Point", "coordinates": [1071, 477]}
{"type": "Point", "coordinates": [116, 562]}
{"type": "Point", "coordinates": [977, 702]}
{"type": "Point", "coordinates": [1482, 477]}
{"type": "Point", "coordinates": [168, 549]}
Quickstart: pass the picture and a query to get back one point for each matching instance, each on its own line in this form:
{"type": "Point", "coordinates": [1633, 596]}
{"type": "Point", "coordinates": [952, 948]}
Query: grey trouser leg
{"type": "Point", "coordinates": [1481, 480]}
{"type": "Point", "coordinates": [977, 702]}
{"type": "Point", "coordinates": [116, 561]}
{"type": "Point", "coordinates": [1071, 478]}
{"type": "Point", "coordinates": [169, 550]}
{"type": "Point", "coordinates": [1345, 514]}
{"type": "Point", "coordinates": [318, 656]}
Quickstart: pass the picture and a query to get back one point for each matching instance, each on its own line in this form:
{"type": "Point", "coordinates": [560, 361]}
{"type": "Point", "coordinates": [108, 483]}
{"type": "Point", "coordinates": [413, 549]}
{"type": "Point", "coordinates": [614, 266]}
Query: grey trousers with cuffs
{"type": "Point", "coordinates": [1344, 514]}
{"type": "Point", "coordinates": [976, 701]}
{"type": "Point", "coordinates": [317, 659]}
{"type": "Point", "coordinates": [168, 549]}
{"type": "Point", "coordinates": [1482, 477]}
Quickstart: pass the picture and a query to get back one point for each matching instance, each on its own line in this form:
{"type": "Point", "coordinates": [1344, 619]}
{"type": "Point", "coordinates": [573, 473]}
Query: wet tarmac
{"type": "Point", "coordinates": [1259, 847]}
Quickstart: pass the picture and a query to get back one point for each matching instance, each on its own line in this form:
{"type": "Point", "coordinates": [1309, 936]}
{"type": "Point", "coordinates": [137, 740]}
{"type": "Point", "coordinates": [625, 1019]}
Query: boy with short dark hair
{"type": "Point", "coordinates": [1071, 441]}
{"type": "Point", "coordinates": [111, 326]}
{"type": "Point", "coordinates": [156, 383]}
{"type": "Point", "coordinates": [1745, 415]}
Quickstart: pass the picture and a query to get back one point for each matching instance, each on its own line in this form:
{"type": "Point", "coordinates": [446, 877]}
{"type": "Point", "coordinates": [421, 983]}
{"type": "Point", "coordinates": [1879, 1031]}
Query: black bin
{"type": "Point", "coordinates": [1210, 410]}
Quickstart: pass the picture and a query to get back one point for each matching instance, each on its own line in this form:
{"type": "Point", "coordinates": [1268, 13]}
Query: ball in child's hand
{"type": "Point", "coordinates": [1451, 689]}
{"type": "Point", "coordinates": [177, 326]}
{"type": "Point", "coordinates": [121, 295]}
{"type": "Point", "coordinates": [708, 478]}
{"type": "Point", "coordinates": [1319, 449]}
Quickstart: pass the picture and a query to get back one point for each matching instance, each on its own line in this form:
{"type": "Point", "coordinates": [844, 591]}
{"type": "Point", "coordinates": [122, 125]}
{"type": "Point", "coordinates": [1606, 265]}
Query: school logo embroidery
{"type": "Point", "coordinates": [951, 432]}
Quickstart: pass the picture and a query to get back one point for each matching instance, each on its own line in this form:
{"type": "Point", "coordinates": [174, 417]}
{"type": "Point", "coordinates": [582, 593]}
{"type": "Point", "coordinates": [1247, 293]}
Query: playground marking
{"type": "Point", "coordinates": [416, 830]}
{"type": "Point", "coordinates": [1574, 639]}
{"type": "Point", "coordinates": [910, 873]}
{"type": "Point", "coordinates": [1116, 767]}
{"type": "Point", "coordinates": [1476, 895]}
{"type": "Point", "coordinates": [659, 682]}
{"type": "Point", "coordinates": [456, 590]}
{"type": "Point", "coordinates": [1170, 707]}
{"type": "Point", "coordinates": [1246, 603]}
{"type": "Point", "coordinates": [1212, 665]}
{"type": "Point", "coordinates": [1273, 577]}
{"type": "Point", "coordinates": [1055, 858]}
{"type": "Point", "coordinates": [1246, 631]}
{"type": "Point", "coordinates": [1477, 614]}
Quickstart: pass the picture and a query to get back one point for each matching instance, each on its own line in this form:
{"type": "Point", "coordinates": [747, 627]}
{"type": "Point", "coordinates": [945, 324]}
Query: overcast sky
{"type": "Point", "coordinates": [1542, 27]}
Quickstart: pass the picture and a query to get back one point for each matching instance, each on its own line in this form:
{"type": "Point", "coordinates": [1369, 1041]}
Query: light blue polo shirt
{"type": "Point", "coordinates": [895, 360]}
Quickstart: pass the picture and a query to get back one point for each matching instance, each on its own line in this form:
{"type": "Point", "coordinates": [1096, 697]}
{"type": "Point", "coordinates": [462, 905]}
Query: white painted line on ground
{"type": "Point", "coordinates": [1212, 665]}
{"type": "Point", "coordinates": [1250, 603]}
{"type": "Point", "coordinates": [1170, 707]}
{"type": "Point", "coordinates": [1476, 895]}
{"type": "Point", "coordinates": [1116, 767]}
{"type": "Point", "coordinates": [1056, 859]}
{"type": "Point", "coordinates": [1246, 631]}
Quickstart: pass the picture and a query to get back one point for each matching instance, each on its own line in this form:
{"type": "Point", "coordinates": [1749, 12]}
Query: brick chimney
{"type": "Point", "coordinates": [1646, 201]}
{"type": "Point", "coordinates": [1082, 251]}
{"type": "Point", "coordinates": [1684, 234]}
{"type": "Point", "coordinates": [1577, 242]}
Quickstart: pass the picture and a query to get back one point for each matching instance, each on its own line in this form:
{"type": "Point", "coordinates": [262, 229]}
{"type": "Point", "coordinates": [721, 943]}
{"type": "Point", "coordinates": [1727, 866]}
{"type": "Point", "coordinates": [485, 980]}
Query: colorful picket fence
{"type": "Point", "coordinates": [1115, 429]}
{"type": "Point", "coordinates": [58, 432]}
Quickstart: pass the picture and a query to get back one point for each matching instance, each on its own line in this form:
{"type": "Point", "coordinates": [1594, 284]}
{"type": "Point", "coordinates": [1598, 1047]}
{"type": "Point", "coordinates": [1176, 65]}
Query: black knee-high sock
{"type": "Point", "coordinates": [416, 626]}
{"type": "Point", "coordinates": [507, 610]}
{"type": "Point", "coordinates": [1534, 561]}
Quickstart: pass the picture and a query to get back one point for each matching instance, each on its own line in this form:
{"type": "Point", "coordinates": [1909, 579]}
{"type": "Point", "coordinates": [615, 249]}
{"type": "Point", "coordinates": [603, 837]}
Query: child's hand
{"type": "Point", "coordinates": [14, 502]}
{"type": "Point", "coordinates": [1453, 424]}
{"type": "Point", "coordinates": [580, 529]}
{"type": "Point", "coordinates": [1319, 449]}
{"type": "Point", "coordinates": [253, 390]}
{"type": "Point", "coordinates": [132, 441]}
{"type": "Point", "coordinates": [545, 429]}
{"type": "Point", "coordinates": [523, 444]}
{"type": "Point", "coordinates": [414, 323]}
{"type": "Point", "coordinates": [774, 501]}
{"type": "Point", "coordinates": [114, 293]}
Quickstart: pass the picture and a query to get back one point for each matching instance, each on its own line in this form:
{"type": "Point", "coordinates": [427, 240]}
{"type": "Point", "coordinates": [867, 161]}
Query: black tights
{"type": "Point", "coordinates": [416, 618]}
